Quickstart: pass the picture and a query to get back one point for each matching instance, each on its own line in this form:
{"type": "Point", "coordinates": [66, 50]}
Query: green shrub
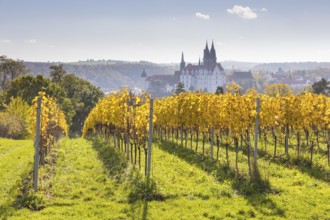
{"type": "Point", "coordinates": [19, 108]}
{"type": "Point", "coordinates": [15, 120]}
{"type": "Point", "coordinates": [11, 126]}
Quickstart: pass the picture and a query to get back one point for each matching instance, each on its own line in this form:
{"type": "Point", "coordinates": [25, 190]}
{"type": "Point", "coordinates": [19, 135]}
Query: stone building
{"type": "Point", "coordinates": [205, 76]}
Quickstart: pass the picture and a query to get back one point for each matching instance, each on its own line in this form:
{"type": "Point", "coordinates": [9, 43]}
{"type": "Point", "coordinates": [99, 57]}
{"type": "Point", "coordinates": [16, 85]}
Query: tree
{"type": "Point", "coordinates": [219, 90]}
{"type": "Point", "coordinates": [27, 87]}
{"type": "Point", "coordinates": [277, 90]}
{"type": "Point", "coordinates": [261, 80]}
{"type": "Point", "coordinates": [69, 110]}
{"type": "Point", "coordinates": [83, 96]}
{"type": "Point", "coordinates": [9, 70]}
{"type": "Point", "coordinates": [179, 88]}
{"type": "Point", "coordinates": [75, 96]}
{"type": "Point", "coordinates": [2, 101]}
{"type": "Point", "coordinates": [57, 73]}
{"type": "Point", "coordinates": [321, 87]}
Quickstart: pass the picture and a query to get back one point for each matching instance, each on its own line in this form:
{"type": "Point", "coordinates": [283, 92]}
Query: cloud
{"type": "Point", "coordinates": [5, 41]}
{"type": "Point", "coordinates": [243, 12]}
{"type": "Point", "coordinates": [31, 41]}
{"type": "Point", "coordinates": [202, 16]}
{"type": "Point", "coordinates": [264, 9]}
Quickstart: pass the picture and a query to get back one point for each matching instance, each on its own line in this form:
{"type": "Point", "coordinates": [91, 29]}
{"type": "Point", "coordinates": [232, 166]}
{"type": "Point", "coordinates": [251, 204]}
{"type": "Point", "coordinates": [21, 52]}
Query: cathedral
{"type": "Point", "coordinates": [206, 76]}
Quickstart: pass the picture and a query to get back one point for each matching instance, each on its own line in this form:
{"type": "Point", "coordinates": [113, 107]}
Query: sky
{"type": "Point", "coordinates": [159, 31]}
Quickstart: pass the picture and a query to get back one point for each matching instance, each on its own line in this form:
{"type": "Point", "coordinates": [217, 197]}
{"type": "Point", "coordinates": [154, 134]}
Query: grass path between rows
{"type": "Point", "coordinates": [91, 181]}
{"type": "Point", "coordinates": [81, 187]}
{"type": "Point", "coordinates": [16, 159]}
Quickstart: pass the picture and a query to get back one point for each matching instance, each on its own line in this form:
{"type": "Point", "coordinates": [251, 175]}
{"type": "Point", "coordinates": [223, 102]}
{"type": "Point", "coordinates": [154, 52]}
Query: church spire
{"type": "Point", "coordinates": [182, 64]}
{"type": "Point", "coordinates": [206, 55]}
{"type": "Point", "coordinates": [213, 56]}
{"type": "Point", "coordinates": [207, 48]}
{"type": "Point", "coordinates": [212, 47]}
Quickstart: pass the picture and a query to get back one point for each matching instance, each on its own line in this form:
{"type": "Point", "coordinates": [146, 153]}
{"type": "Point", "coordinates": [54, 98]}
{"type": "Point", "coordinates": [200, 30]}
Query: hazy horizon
{"type": "Point", "coordinates": [163, 63]}
{"type": "Point", "coordinates": [245, 31]}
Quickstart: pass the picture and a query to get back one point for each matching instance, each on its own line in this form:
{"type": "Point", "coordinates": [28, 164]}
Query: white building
{"type": "Point", "coordinates": [206, 76]}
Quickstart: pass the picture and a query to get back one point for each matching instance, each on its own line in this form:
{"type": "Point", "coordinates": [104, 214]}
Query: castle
{"type": "Point", "coordinates": [206, 76]}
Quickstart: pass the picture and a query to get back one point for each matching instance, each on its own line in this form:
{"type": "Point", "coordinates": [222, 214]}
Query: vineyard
{"type": "Point", "coordinates": [205, 148]}
{"type": "Point", "coordinates": [290, 126]}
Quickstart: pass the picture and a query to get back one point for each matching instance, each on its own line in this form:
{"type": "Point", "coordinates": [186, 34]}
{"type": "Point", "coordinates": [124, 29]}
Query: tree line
{"type": "Point", "coordinates": [75, 96]}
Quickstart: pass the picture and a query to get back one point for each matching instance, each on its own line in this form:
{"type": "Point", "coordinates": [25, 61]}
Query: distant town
{"type": "Point", "coordinates": [207, 75]}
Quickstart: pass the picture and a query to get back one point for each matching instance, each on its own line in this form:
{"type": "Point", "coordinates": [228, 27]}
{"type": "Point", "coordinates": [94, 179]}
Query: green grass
{"type": "Point", "coordinates": [292, 193]}
{"type": "Point", "coordinates": [16, 160]}
{"type": "Point", "coordinates": [90, 180]}
{"type": "Point", "coordinates": [81, 188]}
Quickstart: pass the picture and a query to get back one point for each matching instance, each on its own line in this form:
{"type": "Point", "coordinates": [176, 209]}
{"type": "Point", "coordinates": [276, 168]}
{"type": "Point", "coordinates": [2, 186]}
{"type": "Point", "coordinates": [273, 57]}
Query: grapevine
{"type": "Point", "coordinates": [52, 123]}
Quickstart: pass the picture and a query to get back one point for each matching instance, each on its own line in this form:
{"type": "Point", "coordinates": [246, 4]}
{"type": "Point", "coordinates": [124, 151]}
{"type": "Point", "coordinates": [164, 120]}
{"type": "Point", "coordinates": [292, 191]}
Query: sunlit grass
{"type": "Point", "coordinates": [93, 181]}
{"type": "Point", "coordinates": [16, 160]}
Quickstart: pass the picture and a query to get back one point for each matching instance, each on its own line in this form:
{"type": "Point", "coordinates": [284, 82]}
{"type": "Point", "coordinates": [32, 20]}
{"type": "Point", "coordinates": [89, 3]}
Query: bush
{"type": "Point", "coordinates": [11, 126]}
{"type": "Point", "coordinates": [14, 122]}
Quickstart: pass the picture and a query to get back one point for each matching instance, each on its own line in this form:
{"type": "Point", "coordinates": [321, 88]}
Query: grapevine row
{"type": "Point", "coordinates": [122, 117]}
{"type": "Point", "coordinates": [230, 119]}
{"type": "Point", "coordinates": [52, 123]}
{"type": "Point", "coordinates": [223, 120]}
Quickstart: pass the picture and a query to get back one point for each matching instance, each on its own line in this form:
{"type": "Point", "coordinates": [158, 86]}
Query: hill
{"type": "Point", "coordinates": [273, 67]}
{"type": "Point", "coordinates": [112, 75]}
{"type": "Point", "coordinates": [238, 65]}
{"type": "Point", "coordinates": [108, 75]}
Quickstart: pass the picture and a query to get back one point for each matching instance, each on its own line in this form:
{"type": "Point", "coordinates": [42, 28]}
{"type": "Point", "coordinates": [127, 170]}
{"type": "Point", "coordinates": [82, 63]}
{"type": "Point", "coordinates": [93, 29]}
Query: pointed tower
{"type": "Point", "coordinates": [182, 64]}
{"type": "Point", "coordinates": [206, 56]}
{"type": "Point", "coordinates": [144, 80]}
{"type": "Point", "coordinates": [144, 75]}
{"type": "Point", "coordinates": [213, 56]}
